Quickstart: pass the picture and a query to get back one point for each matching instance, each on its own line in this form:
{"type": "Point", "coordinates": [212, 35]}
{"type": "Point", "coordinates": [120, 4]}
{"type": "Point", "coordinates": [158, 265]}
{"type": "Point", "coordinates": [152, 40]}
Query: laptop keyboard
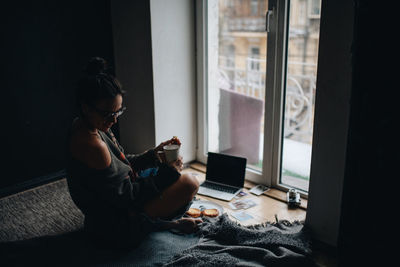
{"type": "Point", "coordinates": [219, 187]}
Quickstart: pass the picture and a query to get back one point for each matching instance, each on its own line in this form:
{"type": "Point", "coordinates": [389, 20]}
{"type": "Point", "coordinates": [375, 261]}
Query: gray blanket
{"type": "Point", "coordinates": [226, 243]}
{"type": "Point", "coordinates": [41, 227]}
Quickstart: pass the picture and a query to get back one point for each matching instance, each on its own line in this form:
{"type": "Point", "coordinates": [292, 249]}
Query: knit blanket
{"type": "Point", "coordinates": [227, 243]}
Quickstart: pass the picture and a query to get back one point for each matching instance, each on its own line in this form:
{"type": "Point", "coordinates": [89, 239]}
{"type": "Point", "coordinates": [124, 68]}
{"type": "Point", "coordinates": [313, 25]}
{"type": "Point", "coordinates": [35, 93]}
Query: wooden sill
{"type": "Point", "coordinates": [272, 192]}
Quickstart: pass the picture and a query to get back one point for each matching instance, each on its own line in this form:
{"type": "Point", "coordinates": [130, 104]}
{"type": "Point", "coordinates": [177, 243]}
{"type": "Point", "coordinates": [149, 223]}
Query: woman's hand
{"type": "Point", "coordinates": [160, 147]}
{"type": "Point", "coordinates": [173, 140]}
{"type": "Point", "coordinates": [177, 164]}
{"type": "Point", "coordinates": [188, 225]}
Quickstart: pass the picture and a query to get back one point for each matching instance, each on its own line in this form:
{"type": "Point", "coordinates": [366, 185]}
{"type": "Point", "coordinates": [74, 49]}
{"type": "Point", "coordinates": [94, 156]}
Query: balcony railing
{"type": "Point", "coordinates": [246, 24]}
{"type": "Point", "coordinates": [300, 92]}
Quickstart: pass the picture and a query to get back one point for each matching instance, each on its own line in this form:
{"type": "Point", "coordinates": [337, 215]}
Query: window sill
{"type": "Point", "coordinates": [272, 193]}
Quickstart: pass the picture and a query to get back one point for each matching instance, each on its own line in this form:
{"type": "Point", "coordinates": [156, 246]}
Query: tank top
{"type": "Point", "coordinates": [87, 184]}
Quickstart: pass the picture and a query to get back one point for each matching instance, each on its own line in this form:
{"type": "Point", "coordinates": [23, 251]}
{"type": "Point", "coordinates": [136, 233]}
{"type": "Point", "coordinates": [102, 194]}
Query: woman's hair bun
{"type": "Point", "coordinates": [96, 66]}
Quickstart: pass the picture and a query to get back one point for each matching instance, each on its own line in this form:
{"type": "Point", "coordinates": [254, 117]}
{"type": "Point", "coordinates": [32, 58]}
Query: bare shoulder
{"type": "Point", "coordinates": [98, 156]}
{"type": "Point", "coordinates": [89, 149]}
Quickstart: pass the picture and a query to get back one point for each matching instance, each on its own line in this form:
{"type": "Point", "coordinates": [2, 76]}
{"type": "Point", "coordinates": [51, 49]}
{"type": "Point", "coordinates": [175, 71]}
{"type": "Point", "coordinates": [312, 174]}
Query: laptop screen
{"type": "Point", "coordinates": [226, 169]}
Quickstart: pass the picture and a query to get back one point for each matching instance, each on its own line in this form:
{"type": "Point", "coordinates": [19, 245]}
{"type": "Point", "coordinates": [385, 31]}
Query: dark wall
{"type": "Point", "coordinates": [45, 46]}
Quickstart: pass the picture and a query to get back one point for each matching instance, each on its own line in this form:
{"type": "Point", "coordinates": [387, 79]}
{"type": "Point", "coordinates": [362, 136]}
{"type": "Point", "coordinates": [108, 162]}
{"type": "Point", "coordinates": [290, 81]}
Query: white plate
{"type": "Point", "coordinates": [200, 204]}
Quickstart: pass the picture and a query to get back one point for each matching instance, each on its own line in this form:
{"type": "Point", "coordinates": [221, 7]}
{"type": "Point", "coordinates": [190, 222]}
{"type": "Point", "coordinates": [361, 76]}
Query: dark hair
{"type": "Point", "coordinates": [97, 83]}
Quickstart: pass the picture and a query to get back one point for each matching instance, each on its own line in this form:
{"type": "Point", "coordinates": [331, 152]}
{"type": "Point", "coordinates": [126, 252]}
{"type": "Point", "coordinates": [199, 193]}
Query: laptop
{"type": "Point", "coordinates": [224, 176]}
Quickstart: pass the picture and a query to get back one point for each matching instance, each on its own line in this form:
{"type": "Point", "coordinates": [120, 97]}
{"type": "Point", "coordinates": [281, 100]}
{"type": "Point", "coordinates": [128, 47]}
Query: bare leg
{"type": "Point", "coordinates": [173, 198]}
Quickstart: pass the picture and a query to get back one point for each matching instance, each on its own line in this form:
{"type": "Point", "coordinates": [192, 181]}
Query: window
{"type": "Point", "coordinates": [254, 59]}
{"type": "Point", "coordinates": [254, 7]}
{"type": "Point", "coordinates": [229, 57]}
{"type": "Point", "coordinates": [256, 88]}
{"type": "Point", "coordinates": [314, 8]}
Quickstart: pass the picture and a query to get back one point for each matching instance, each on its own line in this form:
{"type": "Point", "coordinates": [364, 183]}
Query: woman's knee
{"type": "Point", "coordinates": [174, 197]}
{"type": "Point", "coordinates": [189, 184]}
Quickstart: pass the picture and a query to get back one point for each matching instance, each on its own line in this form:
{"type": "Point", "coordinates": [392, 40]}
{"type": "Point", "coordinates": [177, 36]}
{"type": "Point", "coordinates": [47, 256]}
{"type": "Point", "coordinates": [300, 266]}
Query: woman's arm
{"type": "Point", "coordinates": [150, 158]}
{"type": "Point", "coordinates": [144, 160]}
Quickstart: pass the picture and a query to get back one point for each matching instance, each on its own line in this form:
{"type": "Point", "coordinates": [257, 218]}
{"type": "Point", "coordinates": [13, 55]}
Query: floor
{"type": "Point", "coordinates": [270, 206]}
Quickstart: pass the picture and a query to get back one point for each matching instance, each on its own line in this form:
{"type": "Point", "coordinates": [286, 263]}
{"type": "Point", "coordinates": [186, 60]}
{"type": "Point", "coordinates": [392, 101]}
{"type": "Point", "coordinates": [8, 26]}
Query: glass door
{"type": "Point", "coordinates": [236, 71]}
{"type": "Point", "coordinates": [300, 89]}
{"type": "Point", "coordinates": [256, 79]}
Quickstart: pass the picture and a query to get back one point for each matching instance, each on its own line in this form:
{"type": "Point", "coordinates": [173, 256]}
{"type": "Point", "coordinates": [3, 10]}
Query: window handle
{"type": "Point", "coordinates": [268, 16]}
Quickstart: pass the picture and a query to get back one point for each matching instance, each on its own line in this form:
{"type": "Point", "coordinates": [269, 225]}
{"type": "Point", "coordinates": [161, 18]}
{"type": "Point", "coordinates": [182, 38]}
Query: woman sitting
{"type": "Point", "coordinates": [120, 205]}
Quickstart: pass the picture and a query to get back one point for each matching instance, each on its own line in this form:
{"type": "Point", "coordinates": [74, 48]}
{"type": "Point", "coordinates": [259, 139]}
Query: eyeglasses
{"type": "Point", "coordinates": [109, 115]}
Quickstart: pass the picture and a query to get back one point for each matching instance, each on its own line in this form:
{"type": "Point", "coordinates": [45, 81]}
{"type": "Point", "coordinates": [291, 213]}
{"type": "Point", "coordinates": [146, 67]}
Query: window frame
{"type": "Point", "coordinates": [274, 92]}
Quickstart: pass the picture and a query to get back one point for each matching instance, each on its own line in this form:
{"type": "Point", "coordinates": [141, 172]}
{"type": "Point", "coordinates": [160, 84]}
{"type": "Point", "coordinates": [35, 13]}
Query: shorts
{"type": "Point", "coordinates": [148, 172]}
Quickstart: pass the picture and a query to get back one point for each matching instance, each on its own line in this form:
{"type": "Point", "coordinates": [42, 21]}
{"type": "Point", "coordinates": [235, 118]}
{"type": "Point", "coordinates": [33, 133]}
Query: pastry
{"type": "Point", "coordinates": [175, 140]}
{"type": "Point", "coordinates": [210, 212]}
{"type": "Point", "coordinates": [193, 212]}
